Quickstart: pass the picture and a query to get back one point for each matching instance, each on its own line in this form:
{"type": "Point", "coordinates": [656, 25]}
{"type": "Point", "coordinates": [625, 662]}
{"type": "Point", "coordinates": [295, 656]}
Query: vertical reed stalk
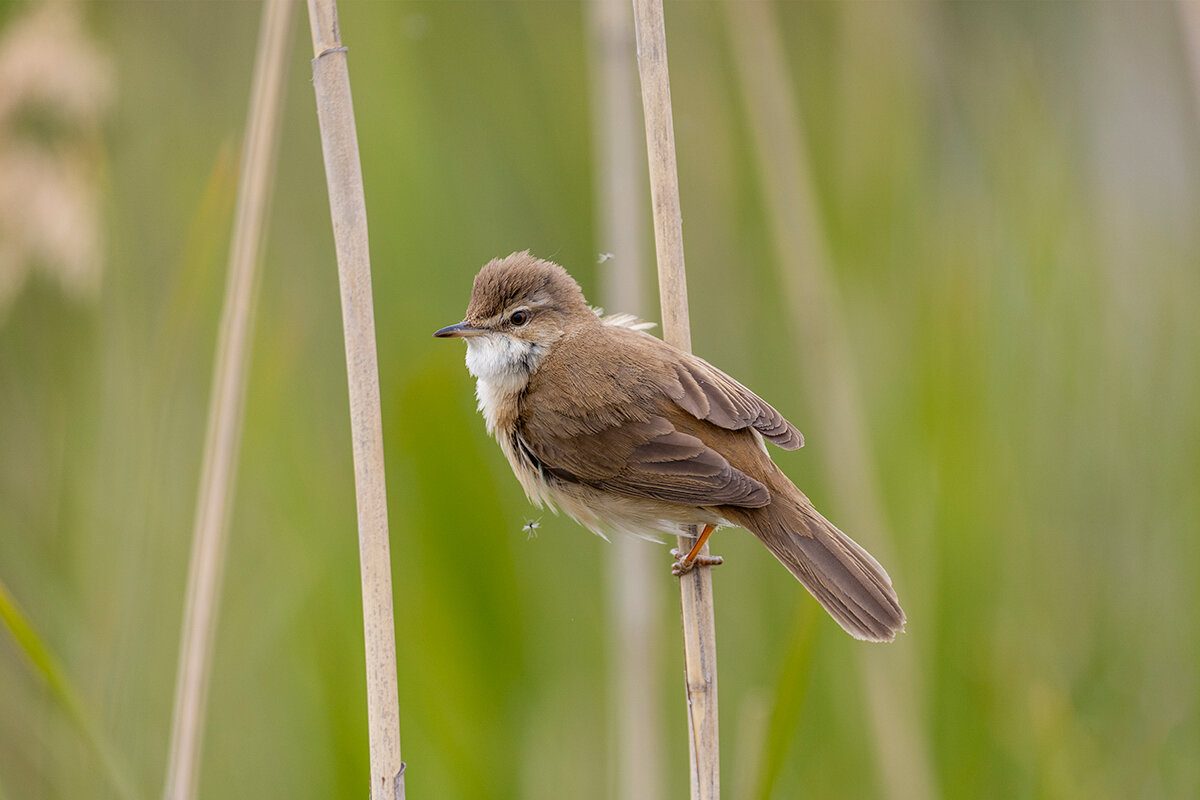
{"type": "Point", "coordinates": [699, 625]}
{"type": "Point", "coordinates": [226, 404]}
{"type": "Point", "coordinates": [1189, 13]}
{"type": "Point", "coordinates": [343, 174]}
{"type": "Point", "coordinates": [889, 673]}
{"type": "Point", "coordinates": [634, 585]}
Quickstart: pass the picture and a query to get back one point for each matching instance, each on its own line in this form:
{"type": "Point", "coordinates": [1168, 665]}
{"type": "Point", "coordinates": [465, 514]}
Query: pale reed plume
{"type": "Point", "coordinates": [49, 187]}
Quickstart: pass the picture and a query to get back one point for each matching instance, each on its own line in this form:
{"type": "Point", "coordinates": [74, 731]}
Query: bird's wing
{"type": "Point", "coordinates": [645, 420]}
{"type": "Point", "coordinates": [709, 394]}
{"type": "Point", "coordinates": [647, 458]}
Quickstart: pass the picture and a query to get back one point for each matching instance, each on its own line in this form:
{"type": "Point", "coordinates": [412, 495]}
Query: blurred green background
{"type": "Point", "coordinates": [1011, 193]}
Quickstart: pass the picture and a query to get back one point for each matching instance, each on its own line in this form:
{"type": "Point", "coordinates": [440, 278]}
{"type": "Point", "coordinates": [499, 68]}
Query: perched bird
{"type": "Point", "coordinates": [625, 432]}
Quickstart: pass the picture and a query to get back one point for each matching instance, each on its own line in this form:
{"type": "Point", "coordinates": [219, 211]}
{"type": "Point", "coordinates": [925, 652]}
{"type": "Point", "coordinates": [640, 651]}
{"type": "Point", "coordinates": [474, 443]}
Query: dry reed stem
{"type": "Point", "coordinates": [889, 673]}
{"type": "Point", "coordinates": [343, 173]}
{"type": "Point", "coordinates": [1189, 13]}
{"type": "Point", "coordinates": [635, 586]}
{"type": "Point", "coordinates": [226, 404]}
{"type": "Point", "coordinates": [699, 625]}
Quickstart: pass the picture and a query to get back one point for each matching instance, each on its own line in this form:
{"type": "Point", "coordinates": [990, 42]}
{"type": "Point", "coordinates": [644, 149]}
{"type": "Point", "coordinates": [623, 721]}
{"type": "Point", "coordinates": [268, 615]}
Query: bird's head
{"type": "Point", "coordinates": [520, 306]}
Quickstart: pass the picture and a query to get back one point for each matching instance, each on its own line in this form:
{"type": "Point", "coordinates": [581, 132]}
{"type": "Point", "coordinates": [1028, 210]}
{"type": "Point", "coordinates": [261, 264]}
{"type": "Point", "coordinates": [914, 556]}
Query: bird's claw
{"type": "Point", "coordinates": [683, 566]}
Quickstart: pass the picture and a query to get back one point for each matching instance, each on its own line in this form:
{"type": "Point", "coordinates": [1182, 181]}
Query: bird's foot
{"type": "Point", "coordinates": [685, 564]}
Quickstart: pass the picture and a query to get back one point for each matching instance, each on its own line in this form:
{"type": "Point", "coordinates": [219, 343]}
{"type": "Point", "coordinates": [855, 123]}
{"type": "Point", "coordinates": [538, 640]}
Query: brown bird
{"type": "Point", "coordinates": [626, 433]}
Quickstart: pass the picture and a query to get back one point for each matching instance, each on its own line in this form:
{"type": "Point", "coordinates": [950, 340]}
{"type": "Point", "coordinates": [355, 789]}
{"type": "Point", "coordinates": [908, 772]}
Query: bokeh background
{"type": "Point", "coordinates": [1010, 193]}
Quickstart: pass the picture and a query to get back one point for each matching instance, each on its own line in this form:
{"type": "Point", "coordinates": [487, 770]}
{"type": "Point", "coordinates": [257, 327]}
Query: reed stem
{"type": "Point", "coordinates": [210, 531]}
{"type": "Point", "coordinates": [699, 625]}
{"type": "Point", "coordinates": [1189, 18]}
{"type": "Point", "coordinates": [343, 173]}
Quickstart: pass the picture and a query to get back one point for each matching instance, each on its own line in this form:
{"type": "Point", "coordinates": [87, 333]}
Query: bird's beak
{"type": "Point", "coordinates": [458, 331]}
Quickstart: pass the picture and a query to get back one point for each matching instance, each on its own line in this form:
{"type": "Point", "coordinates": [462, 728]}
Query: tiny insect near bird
{"type": "Point", "coordinates": [625, 433]}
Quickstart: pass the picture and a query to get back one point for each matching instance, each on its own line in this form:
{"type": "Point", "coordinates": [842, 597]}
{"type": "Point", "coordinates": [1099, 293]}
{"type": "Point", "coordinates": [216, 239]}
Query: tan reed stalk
{"type": "Point", "coordinates": [699, 625]}
{"type": "Point", "coordinates": [635, 586]}
{"type": "Point", "coordinates": [343, 174]}
{"type": "Point", "coordinates": [1189, 13]}
{"type": "Point", "coordinates": [889, 673]}
{"type": "Point", "coordinates": [226, 404]}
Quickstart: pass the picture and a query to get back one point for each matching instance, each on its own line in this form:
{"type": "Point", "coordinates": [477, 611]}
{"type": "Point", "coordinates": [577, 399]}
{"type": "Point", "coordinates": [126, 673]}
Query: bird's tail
{"type": "Point", "coordinates": [841, 575]}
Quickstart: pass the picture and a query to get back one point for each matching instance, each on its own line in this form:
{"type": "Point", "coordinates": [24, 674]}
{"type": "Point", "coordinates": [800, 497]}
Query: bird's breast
{"type": "Point", "coordinates": [499, 404]}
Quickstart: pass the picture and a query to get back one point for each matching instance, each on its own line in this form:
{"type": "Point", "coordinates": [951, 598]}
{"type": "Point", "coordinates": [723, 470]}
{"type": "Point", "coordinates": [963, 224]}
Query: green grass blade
{"type": "Point", "coordinates": [789, 699]}
{"type": "Point", "coordinates": [43, 664]}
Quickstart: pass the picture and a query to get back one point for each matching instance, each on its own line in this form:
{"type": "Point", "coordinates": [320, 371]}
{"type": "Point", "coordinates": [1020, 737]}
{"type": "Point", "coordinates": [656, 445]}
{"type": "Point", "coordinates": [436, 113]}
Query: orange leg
{"type": "Point", "coordinates": [700, 541]}
{"type": "Point", "coordinates": [693, 558]}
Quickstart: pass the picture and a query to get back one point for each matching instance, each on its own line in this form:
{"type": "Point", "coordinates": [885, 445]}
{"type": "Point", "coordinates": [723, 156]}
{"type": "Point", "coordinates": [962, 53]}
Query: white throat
{"type": "Point", "coordinates": [501, 365]}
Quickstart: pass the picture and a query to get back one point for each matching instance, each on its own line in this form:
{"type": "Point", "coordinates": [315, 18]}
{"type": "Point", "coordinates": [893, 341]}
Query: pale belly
{"type": "Point", "coordinates": [601, 512]}
{"type": "Point", "coordinates": [605, 512]}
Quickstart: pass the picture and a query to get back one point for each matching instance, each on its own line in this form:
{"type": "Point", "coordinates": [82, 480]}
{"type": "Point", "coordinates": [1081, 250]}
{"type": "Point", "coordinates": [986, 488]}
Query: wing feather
{"type": "Point", "coordinates": [648, 459]}
{"type": "Point", "coordinates": [643, 421]}
{"type": "Point", "coordinates": [709, 394]}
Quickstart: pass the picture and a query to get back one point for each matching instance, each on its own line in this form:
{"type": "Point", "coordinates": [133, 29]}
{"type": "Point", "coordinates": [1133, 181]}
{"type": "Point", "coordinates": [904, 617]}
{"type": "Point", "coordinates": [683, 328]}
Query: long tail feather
{"type": "Point", "coordinates": [841, 575]}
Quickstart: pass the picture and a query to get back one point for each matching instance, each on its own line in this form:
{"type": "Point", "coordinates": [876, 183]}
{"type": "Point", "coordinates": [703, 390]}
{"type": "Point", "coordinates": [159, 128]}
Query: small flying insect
{"type": "Point", "coordinates": [531, 526]}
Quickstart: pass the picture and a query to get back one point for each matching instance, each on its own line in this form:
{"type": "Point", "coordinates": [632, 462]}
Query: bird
{"type": "Point", "coordinates": [625, 433]}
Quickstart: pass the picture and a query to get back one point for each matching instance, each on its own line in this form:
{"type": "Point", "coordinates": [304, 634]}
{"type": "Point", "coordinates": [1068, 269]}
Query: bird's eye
{"type": "Point", "coordinates": [519, 318]}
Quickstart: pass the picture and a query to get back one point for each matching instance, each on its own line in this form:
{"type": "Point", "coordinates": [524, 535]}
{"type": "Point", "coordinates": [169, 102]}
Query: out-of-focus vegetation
{"type": "Point", "coordinates": [1011, 193]}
